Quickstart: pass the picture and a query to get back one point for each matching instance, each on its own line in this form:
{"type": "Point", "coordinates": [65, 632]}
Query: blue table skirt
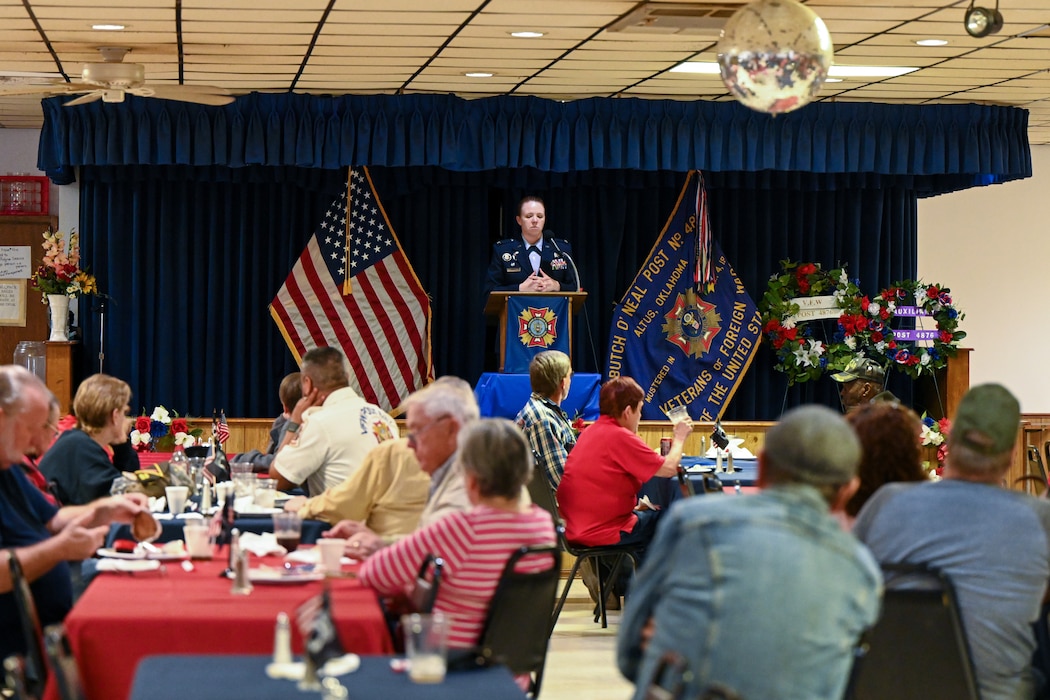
{"type": "Point", "coordinates": [172, 529]}
{"type": "Point", "coordinates": [179, 677]}
{"type": "Point", "coordinates": [503, 395]}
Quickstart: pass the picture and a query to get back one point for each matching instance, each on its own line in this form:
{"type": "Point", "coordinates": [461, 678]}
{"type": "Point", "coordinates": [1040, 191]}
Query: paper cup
{"type": "Point", "coordinates": [331, 554]}
{"type": "Point", "coordinates": [177, 496]}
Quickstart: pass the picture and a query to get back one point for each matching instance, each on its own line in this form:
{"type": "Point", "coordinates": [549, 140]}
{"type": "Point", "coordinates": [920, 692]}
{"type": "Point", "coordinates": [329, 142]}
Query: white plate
{"type": "Point", "coordinates": [128, 566]}
{"type": "Point", "coordinates": [256, 510]}
{"type": "Point", "coordinates": [269, 575]}
{"type": "Point", "coordinates": [139, 555]}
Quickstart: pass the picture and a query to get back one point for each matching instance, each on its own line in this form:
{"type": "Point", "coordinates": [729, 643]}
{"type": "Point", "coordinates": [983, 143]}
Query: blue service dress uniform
{"type": "Point", "coordinates": [510, 265]}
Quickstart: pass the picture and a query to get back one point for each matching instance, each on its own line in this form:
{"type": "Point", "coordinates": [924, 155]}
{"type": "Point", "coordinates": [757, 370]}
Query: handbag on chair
{"type": "Point", "coordinates": [427, 581]}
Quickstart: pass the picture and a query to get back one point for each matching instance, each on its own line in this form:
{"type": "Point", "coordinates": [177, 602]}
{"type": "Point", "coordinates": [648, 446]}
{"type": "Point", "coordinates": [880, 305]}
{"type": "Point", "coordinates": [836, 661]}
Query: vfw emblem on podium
{"type": "Point", "coordinates": [536, 327]}
{"type": "Point", "coordinates": [692, 324]}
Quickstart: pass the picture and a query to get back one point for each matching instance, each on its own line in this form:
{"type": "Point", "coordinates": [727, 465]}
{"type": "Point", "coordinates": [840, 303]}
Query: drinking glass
{"type": "Point", "coordinates": [426, 640]}
{"type": "Point", "coordinates": [287, 528]}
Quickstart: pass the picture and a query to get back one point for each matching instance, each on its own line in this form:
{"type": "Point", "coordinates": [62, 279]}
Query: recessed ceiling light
{"type": "Point", "coordinates": [711, 68]}
{"type": "Point", "coordinates": [832, 80]}
{"type": "Point", "coordinates": [478, 75]}
{"type": "Point", "coordinates": [107, 27]}
{"type": "Point", "coordinates": [527, 35]}
{"type": "Point", "coordinates": [931, 42]}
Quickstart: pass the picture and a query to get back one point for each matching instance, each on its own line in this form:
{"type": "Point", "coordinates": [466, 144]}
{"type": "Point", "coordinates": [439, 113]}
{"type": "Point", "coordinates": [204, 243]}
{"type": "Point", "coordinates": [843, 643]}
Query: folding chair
{"type": "Point", "coordinates": [516, 631]}
{"type": "Point", "coordinates": [35, 666]}
{"type": "Point", "coordinates": [917, 650]}
{"type": "Point", "coordinates": [545, 498]}
{"type": "Point", "coordinates": [63, 663]}
{"type": "Point", "coordinates": [1035, 464]}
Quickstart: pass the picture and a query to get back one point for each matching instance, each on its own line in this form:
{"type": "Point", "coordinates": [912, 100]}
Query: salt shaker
{"type": "Point", "coordinates": [239, 563]}
{"type": "Point", "coordinates": [282, 640]}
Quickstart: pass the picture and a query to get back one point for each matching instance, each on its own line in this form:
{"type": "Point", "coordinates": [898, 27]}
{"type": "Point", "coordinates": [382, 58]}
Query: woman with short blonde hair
{"type": "Point", "coordinates": [79, 465]}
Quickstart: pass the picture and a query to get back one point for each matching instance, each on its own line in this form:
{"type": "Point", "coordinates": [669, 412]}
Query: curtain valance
{"type": "Point", "coordinates": [953, 146]}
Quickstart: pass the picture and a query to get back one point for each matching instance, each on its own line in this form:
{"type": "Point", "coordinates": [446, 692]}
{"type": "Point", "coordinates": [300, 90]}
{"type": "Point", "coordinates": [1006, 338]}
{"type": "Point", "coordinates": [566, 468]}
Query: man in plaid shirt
{"type": "Point", "coordinates": [544, 423]}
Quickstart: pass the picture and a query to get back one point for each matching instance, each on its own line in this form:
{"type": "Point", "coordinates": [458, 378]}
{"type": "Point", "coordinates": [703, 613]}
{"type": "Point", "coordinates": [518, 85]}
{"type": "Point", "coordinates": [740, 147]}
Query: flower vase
{"type": "Point", "coordinates": [59, 305]}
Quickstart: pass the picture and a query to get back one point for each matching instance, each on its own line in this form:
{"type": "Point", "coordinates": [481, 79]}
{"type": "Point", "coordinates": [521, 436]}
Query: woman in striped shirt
{"type": "Point", "coordinates": [496, 463]}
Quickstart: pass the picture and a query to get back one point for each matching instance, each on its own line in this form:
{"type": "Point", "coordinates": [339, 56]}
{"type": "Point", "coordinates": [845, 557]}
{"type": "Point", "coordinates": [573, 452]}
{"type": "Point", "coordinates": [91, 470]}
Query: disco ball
{"type": "Point", "coordinates": [774, 55]}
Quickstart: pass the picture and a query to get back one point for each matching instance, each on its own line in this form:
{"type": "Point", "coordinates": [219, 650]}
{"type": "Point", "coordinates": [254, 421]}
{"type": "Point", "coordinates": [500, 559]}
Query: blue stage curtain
{"type": "Point", "coordinates": [945, 147]}
{"type": "Point", "coordinates": [192, 256]}
{"type": "Point", "coordinates": [190, 259]}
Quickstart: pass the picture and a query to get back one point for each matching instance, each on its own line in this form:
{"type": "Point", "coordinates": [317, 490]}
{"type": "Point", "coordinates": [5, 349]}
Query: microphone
{"type": "Point", "coordinates": [554, 242]}
{"type": "Point", "coordinates": [579, 287]}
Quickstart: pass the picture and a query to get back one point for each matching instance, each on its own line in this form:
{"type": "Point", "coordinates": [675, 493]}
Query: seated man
{"type": "Point", "coordinates": [331, 428]}
{"type": "Point", "coordinates": [992, 542]}
{"type": "Point", "coordinates": [387, 493]}
{"type": "Point", "coordinates": [42, 536]}
{"type": "Point", "coordinates": [434, 417]}
{"type": "Point", "coordinates": [545, 425]}
{"type": "Point", "coordinates": [763, 594]}
{"type": "Point", "coordinates": [863, 381]}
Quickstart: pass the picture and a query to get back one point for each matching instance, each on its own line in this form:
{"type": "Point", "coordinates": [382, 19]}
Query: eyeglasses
{"type": "Point", "coordinates": [413, 435]}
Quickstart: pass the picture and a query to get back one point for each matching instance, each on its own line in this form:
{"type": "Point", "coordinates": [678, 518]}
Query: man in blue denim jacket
{"type": "Point", "coordinates": [763, 594]}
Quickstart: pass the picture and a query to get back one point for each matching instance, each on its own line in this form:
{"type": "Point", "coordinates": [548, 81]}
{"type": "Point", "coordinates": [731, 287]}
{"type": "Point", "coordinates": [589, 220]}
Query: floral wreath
{"type": "Point", "coordinates": [935, 301]}
{"type": "Point", "coordinates": [863, 324]}
{"type": "Point", "coordinates": [799, 355]}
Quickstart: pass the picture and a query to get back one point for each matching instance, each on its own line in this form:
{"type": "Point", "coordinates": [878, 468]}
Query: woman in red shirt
{"type": "Point", "coordinates": [598, 493]}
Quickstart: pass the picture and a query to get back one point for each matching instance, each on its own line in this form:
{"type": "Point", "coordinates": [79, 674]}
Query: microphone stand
{"type": "Point", "coordinates": [576, 274]}
{"type": "Point", "coordinates": [102, 330]}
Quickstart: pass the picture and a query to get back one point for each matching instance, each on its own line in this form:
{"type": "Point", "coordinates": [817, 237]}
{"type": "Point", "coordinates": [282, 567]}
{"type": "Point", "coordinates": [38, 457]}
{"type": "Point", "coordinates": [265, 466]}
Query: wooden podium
{"type": "Point", "coordinates": [497, 306]}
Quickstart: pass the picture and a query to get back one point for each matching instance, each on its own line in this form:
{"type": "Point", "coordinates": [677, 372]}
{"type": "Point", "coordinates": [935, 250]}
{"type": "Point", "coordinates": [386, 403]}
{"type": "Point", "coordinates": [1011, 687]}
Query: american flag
{"type": "Point", "coordinates": [223, 429]}
{"type": "Point", "coordinates": [354, 289]}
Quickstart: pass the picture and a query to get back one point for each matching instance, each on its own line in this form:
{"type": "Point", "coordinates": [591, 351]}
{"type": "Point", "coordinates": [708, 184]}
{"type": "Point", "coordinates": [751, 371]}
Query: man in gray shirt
{"type": "Point", "coordinates": [992, 542]}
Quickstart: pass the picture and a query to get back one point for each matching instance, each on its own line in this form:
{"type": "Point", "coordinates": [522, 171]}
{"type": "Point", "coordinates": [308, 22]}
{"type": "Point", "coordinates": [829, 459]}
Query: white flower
{"type": "Point", "coordinates": [925, 359]}
{"type": "Point", "coordinates": [873, 308]}
{"type": "Point", "coordinates": [891, 306]}
{"type": "Point", "coordinates": [161, 414]}
{"type": "Point", "coordinates": [931, 436]}
{"type": "Point", "coordinates": [851, 342]}
{"type": "Point", "coordinates": [184, 439]}
{"type": "Point", "coordinates": [138, 438]}
{"type": "Point", "coordinates": [843, 279]}
{"type": "Point", "coordinates": [920, 296]}
{"type": "Point", "coordinates": [788, 322]}
{"type": "Point", "coordinates": [809, 357]}
{"type": "Point", "coordinates": [881, 346]}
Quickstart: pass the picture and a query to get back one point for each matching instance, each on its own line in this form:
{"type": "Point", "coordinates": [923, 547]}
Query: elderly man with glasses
{"type": "Point", "coordinates": [434, 417]}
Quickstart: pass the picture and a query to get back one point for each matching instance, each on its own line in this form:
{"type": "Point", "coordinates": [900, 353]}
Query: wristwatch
{"type": "Point", "coordinates": [291, 427]}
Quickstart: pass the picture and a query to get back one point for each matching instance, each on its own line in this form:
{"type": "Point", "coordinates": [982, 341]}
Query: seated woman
{"type": "Point", "coordinates": [78, 463]}
{"type": "Point", "coordinates": [889, 437]}
{"type": "Point", "coordinates": [475, 544]}
{"type": "Point", "coordinates": [599, 490]}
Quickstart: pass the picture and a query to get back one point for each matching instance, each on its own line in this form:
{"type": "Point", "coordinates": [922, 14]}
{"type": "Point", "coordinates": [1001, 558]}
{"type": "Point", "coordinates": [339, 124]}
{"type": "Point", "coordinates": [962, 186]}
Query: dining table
{"type": "Point", "coordinates": [124, 617]}
{"type": "Point", "coordinates": [210, 677]}
{"type": "Point", "coordinates": [171, 528]}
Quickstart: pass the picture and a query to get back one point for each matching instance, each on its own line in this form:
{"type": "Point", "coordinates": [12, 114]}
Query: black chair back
{"type": "Point", "coordinates": [427, 583]}
{"type": "Point", "coordinates": [63, 663]}
{"type": "Point", "coordinates": [541, 494]}
{"type": "Point", "coordinates": [1035, 464]}
{"type": "Point", "coordinates": [917, 649]}
{"type": "Point", "coordinates": [15, 684]}
{"type": "Point", "coordinates": [517, 627]}
{"type": "Point", "coordinates": [36, 668]}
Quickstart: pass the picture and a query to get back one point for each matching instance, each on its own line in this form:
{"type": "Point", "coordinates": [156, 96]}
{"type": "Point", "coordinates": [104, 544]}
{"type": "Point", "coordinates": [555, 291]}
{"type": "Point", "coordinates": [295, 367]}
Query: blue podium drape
{"type": "Point", "coordinates": [534, 324]}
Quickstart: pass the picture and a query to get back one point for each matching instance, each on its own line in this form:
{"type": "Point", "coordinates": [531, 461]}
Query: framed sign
{"type": "Point", "coordinates": [13, 302]}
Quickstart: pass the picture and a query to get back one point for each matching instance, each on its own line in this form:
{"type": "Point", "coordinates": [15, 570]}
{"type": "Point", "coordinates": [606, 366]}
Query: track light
{"type": "Point", "coordinates": [980, 21]}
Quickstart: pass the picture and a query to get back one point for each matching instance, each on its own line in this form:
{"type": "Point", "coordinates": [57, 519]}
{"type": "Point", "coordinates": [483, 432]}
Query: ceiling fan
{"type": "Point", "coordinates": [112, 79]}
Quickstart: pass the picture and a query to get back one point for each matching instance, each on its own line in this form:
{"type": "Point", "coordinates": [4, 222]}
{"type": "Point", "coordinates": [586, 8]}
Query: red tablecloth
{"type": "Point", "coordinates": [122, 618]}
